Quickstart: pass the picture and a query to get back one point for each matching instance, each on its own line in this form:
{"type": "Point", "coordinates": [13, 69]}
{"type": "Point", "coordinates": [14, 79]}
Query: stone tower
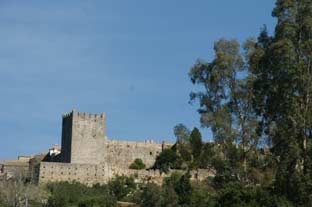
{"type": "Point", "coordinates": [83, 138]}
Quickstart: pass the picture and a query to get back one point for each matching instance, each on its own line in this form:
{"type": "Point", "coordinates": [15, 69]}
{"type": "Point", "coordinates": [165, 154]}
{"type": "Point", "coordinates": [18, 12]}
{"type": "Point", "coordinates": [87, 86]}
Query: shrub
{"type": "Point", "coordinates": [2, 204]}
{"type": "Point", "coordinates": [66, 194]}
{"type": "Point", "coordinates": [151, 196]}
{"type": "Point", "coordinates": [121, 186]}
{"type": "Point", "coordinates": [166, 160]}
{"type": "Point", "coordinates": [137, 164]}
{"type": "Point", "coordinates": [236, 195]}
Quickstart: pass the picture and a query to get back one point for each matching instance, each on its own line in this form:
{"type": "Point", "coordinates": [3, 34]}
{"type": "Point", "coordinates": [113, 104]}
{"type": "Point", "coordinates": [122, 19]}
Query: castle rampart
{"type": "Point", "coordinates": [123, 153]}
{"type": "Point", "coordinates": [92, 174]}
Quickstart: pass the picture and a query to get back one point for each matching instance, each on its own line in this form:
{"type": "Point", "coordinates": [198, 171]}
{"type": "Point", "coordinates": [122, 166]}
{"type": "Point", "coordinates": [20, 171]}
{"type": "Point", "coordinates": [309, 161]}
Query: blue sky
{"type": "Point", "coordinates": [129, 59]}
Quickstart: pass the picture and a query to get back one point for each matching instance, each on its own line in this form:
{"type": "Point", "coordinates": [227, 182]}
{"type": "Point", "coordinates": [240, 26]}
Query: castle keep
{"type": "Point", "coordinates": [83, 138]}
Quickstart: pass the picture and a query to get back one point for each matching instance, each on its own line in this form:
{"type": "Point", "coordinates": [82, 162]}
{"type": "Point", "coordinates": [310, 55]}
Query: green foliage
{"type": "Point", "coordinates": [77, 195]}
{"type": "Point", "coordinates": [202, 198]}
{"type": "Point", "coordinates": [169, 197]}
{"type": "Point", "coordinates": [281, 66]}
{"type": "Point", "coordinates": [208, 155]}
{"type": "Point", "coordinates": [183, 155]}
{"type": "Point", "coordinates": [137, 164]}
{"type": "Point", "coordinates": [2, 204]}
{"type": "Point", "coordinates": [196, 143]}
{"type": "Point", "coordinates": [151, 196]}
{"type": "Point", "coordinates": [183, 189]}
{"type": "Point", "coordinates": [121, 186]}
{"type": "Point", "coordinates": [173, 179]}
{"type": "Point", "coordinates": [182, 134]}
{"type": "Point", "coordinates": [236, 195]}
{"type": "Point", "coordinates": [225, 101]}
{"type": "Point", "coordinates": [166, 160]}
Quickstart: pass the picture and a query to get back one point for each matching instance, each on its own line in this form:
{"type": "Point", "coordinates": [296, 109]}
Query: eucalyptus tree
{"type": "Point", "coordinates": [282, 68]}
{"type": "Point", "coordinates": [225, 96]}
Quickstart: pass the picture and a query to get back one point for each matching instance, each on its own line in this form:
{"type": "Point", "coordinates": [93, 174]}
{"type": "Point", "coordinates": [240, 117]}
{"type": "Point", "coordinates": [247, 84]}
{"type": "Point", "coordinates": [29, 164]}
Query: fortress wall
{"type": "Point", "coordinates": [92, 174]}
{"type": "Point", "coordinates": [83, 173]}
{"type": "Point", "coordinates": [122, 153]}
{"type": "Point", "coordinates": [14, 168]}
{"type": "Point", "coordinates": [89, 174]}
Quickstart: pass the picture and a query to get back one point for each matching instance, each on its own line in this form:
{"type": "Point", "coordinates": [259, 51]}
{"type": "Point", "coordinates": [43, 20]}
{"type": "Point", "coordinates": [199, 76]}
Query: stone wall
{"type": "Point", "coordinates": [14, 168]}
{"type": "Point", "coordinates": [92, 174]}
{"type": "Point", "coordinates": [88, 173]}
{"type": "Point", "coordinates": [83, 173]}
{"type": "Point", "coordinates": [122, 153]}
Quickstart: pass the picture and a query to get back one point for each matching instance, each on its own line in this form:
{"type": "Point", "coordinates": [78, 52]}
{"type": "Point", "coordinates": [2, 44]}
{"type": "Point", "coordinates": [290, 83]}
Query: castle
{"type": "Point", "coordinates": [89, 157]}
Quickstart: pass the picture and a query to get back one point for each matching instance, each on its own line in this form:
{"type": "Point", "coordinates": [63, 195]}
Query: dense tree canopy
{"type": "Point", "coordinates": [281, 65]}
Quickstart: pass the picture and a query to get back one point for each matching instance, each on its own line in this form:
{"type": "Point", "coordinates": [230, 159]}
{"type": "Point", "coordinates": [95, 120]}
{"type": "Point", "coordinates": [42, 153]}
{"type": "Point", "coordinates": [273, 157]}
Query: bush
{"type": "Point", "coordinates": [166, 160]}
{"type": "Point", "coordinates": [201, 198]}
{"type": "Point", "coordinates": [137, 164]}
{"type": "Point", "coordinates": [2, 204]}
{"type": "Point", "coordinates": [151, 196]}
{"type": "Point", "coordinates": [237, 195]}
{"type": "Point", "coordinates": [66, 194]}
{"type": "Point", "coordinates": [121, 186]}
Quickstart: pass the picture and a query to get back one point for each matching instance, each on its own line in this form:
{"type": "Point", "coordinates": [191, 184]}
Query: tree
{"type": "Point", "coordinates": [281, 66]}
{"type": "Point", "coordinates": [19, 191]}
{"type": "Point", "coordinates": [182, 134]}
{"type": "Point", "coordinates": [196, 143]}
{"type": "Point", "coordinates": [209, 153]}
{"type": "Point", "coordinates": [169, 196]}
{"type": "Point", "coordinates": [166, 160]}
{"type": "Point", "coordinates": [201, 198]}
{"type": "Point", "coordinates": [151, 196]}
{"type": "Point", "coordinates": [184, 189]}
{"type": "Point", "coordinates": [226, 99]}
{"type": "Point", "coordinates": [237, 195]}
{"type": "Point", "coordinates": [121, 186]}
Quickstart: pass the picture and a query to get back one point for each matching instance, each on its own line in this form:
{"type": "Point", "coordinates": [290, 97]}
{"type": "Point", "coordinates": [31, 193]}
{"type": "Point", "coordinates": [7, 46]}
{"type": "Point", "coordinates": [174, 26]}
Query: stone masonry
{"type": "Point", "coordinates": [83, 137]}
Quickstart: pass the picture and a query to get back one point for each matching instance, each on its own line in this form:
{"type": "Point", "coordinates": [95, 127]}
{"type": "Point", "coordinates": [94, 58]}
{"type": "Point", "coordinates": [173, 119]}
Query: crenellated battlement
{"type": "Point", "coordinates": [89, 116]}
{"type": "Point", "coordinates": [66, 115]}
{"type": "Point", "coordinates": [84, 115]}
{"type": "Point", "coordinates": [83, 137]}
